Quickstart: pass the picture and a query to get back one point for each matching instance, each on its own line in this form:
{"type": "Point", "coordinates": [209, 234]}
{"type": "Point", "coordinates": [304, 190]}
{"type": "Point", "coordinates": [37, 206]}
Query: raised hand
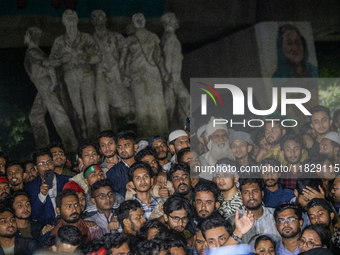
{"type": "Point", "coordinates": [243, 224]}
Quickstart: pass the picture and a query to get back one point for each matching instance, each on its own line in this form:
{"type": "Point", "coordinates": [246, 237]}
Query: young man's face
{"type": "Point", "coordinates": [319, 215]}
{"type": "Point", "coordinates": [104, 199]}
{"type": "Point", "coordinates": [181, 181]}
{"type": "Point", "coordinates": [59, 158]}
{"type": "Point", "coordinates": [180, 143]}
{"type": "Point", "coordinates": [161, 149]}
{"type": "Point", "coordinates": [107, 146]}
{"type": "Point", "coordinates": [336, 190]}
{"type": "Point", "coordinates": [251, 196]}
{"type": "Point", "coordinates": [126, 149]}
{"type": "Point", "coordinates": [22, 207]}
{"type": "Point", "coordinates": [70, 209]}
{"type": "Point", "coordinates": [31, 173]}
{"type": "Point", "coordinates": [44, 163]}
{"type": "Point", "coordinates": [321, 122]}
{"type": "Point", "coordinates": [327, 148]}
{"type": "Point", "coordinates": [89, 156]}
{"type": "Point", "coordinates": [291, 228]}
{"type": "Point", "coordinates": [152, 162]}
{"type": "Point", "coordinates": [225, 181]}
{"type": "Point", "coordinates": [8, 225]}
{"type": "Point", "coordinates": [82, 200]}
{"type": "Point", "coordinates": [94, 176]}
{"type": "Point", "coordinates": [216, 237]}
{"type": "Point", "coordinates": [2, 165]}
{"type": "Point", "coordinates": [177, 220]}
{"type": "Point", "coordinates": [240, 149]}
{"type": "Point", "coordinates": [292, 152]}
{"type": "Point", "coordinates": [205, 203]}
{"type": "Point", "coordinates": [273, 133]}
{"type": "Point", "coordinates": [5, 191]}
{"type": "Point", "coordinates": [270, 178]}
{"type": "Point", "coordinates": [15, 175]}
{"type": "Point", "coordinates": [200, 243]}
{"type": "Point", "coordinates": [122, 250]}
{"type": "Point", "coordinates": [141, 180]}
{"type": "Point", "coordinates": [137, 219]}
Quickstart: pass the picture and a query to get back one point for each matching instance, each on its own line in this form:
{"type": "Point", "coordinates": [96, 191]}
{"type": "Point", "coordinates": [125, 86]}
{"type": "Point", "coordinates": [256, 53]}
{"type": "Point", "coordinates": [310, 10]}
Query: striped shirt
{"type": "Point", "coordinates": [147, 209]}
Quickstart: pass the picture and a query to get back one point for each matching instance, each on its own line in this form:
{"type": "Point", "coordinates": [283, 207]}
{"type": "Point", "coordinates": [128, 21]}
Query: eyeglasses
{"type": "Point", "coordinates": [309, 244]}
{"type": "Point", "coordinates": [43, 164]}
{"type": "Point", "coordinates": [289, 220]}
{"type": "Point", "coordinates": [176, 219]}
{"type": "Point", "coordinates": [104, 196]}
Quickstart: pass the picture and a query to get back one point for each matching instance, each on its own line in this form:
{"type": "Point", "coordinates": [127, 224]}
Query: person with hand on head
{"type": "Point", "coordinates": [43, 197]}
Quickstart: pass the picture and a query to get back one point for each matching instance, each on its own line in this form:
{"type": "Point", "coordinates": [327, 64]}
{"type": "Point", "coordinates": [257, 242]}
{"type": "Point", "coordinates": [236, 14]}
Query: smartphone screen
{"type": "Point", "coordinates": [48, 177]}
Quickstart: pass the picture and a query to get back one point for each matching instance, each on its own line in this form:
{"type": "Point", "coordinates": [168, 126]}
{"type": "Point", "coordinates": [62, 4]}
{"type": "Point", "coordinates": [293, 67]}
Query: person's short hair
{"type": "Point", "coordinates": [115, 240]}
{"type": "Point", "coordinates": [143, 232]}
{"type": "Point", "coordinates": [136, 166]}
{"type": "Point", "coordinates": [127, 135]}
{"type": "Point", "coordinates": [173, 238]}
{"type": "Point", "coordinates": [264, 238]}
{"type": "Point", "coordinates": [270, 161]}
{"type": "Point", "coordinates": [61, 195]}
{"type": "Point", "coordinates": [124, 210]}
{"type": "Point", "coordinates": [178, 166]}
{"type": "Point", "coordinates": [6, 209]}
{"type": "Point", "coordinates": [260, 136]}
{"type": "Point", "coordinates": [25, 163]}
{"type": "Point", "coordinates": [16, 194]}
{"type": "Point", "coordinates": [302, 183]}
{"type": "Point", "coordinates": [181, 154]}
{"type": "Point", "coordinates": [99, 184]}
{"type": "Point", "coordinates": [14, 163]}
{"type": "Point", "coordinates": [292, 136]}
{"type": "Point", "coordinates": [107, 133]}
{"type": "Point", "coordinates": [283, 207]}
{"type": "Point", "coordinates": [85, 144]}
{"type": "Point", "coordinates": [145, 152]}
{"type": "Point", "coordinates": [175, 203]}
{"type": "Point", "coordinates": [49, 242]}
{"type": "Point", "coordinates": [69, 234]}
{"type": "Point", "coordinates": [56, 144]}
{"type": "Point", "coordinates": [34, 34]}
{"type": "Point", "coordinates": [275, 119]}
{"type": "Point", "coordinates": [320, 108]}
{"type": "Point", "coordinates": [40, 152]}
{"type": "Point", "coordinates": [151, 247]}
{"type": "Point", "coordinates": [305, 128]}
{"type": "Point", "coordinates": [244, 181]}
{"type": "Point", "coordinates": [322, 232]}
{"type": "Point", "coordinates": [215, 222]}
{"type": "Point", "coordinates": [209, 187]}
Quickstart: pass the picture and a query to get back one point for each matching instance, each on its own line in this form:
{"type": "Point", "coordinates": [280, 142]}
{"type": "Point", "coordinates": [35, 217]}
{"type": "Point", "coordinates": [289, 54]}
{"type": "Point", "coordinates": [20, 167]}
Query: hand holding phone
{"type": "Point", "coordinates": [48, 178]}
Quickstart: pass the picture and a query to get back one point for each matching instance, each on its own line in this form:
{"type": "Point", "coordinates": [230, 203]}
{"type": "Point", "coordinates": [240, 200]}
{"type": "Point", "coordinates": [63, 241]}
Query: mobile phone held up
{"type": "Point", "coordinates": [190, 124]}
{"type": "Point", "coordinates": [48, 177]}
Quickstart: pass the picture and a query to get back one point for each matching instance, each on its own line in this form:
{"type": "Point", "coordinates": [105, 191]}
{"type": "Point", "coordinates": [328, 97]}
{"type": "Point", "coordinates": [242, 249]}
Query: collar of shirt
{"type": "Point", "coordinates": [280, 249]}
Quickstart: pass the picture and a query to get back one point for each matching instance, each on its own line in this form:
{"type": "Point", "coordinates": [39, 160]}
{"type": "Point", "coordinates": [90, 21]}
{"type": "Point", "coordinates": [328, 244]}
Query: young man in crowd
{"type": "Point", "coordinates": [336, 193]}
{"type": "Point", "coordinates": [43, 197]}
{"type": "Point", "coordinates": [330, 146]}
{"type": "Point", "coordinates": [5, 192]}
{"type": "Point", "coordinates": [178, 140]}
{"type": "Point", "coordinates": [293, 150]}
{"type": "Point", "coordinates": [80, 194]}
{"type": "Point", "coordinates": [108, 148]}
{"type": "Point", "coordinates": [30, 172]}
{"type": "Point", "coordinates": [140, 176]}
{"type": "Point", "coordinates": [104, 200]}
{"type": "Point", "coordinates": [59, 159]}
{"type": "Point", "coordinates": [118, 174]}
{"type": "Point", "coordinates": [15, 175]}
{"type": "Point", "coordinates": [88, 153]}
{"type": "Point", "coordinates": [67, 240]}
{"type": "Point", "coordinates": [158, 144]}
{"type": "Point", "coordinates": [274, 194]}
{"type": "Point", "coordinates": [116, 244]}
{"type": "Point", "coordinates": [230, 196]}
{"type": "Point", "coordinates": [289, 222]}
{"type": "Point", "coordinates": [200, 244]}
{"type": "Point", "coordinates": [179, 174]}
{"type": "Point", "coordinates": [10, 242]}
{"type": "Point", "coordinates": [3, 161]}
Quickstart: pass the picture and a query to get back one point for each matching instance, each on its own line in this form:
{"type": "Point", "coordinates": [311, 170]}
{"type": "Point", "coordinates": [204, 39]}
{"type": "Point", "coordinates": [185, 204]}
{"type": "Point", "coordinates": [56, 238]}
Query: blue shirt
{"type": "Point", "coordinates": [276, 198]}
{"type": "Point", "coordinates": [118, 177]}
{"type": "Point", "coordinates": [281, 250]}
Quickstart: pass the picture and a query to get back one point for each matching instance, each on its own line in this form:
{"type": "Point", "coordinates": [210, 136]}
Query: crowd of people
{"type": "Point", "coordinates": [130, 197]}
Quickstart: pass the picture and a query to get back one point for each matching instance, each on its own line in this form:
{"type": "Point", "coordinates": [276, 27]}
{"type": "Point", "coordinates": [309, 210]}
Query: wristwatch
{"type": "Point", "coordinates": [236, 238]}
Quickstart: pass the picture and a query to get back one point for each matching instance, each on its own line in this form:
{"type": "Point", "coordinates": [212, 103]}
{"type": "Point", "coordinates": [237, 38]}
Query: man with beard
{"type": "Point", "coordinates": [274, 132]}
{"type": "Point", "coordinates": [59, 159]}
{"type": "Point", "coordinates": [104, 200]}
{"type": "Point", "coordinates": [80, 194]}
{"type": "Point", "coordinates": [252, 195]}
{"type": "Point", "coordinates": [321, 122]}
{"type": "Point", "coordinates": [288, 222]}
{"type": "Point", "coordinates": [140, 176]}
{"type": "Point", "coordinates": [22, 211]}
{"type": "Point", "coordinates": [29, 170]}
{"type": "Point", "coordinates": [5, 191]}
{"type": "Point", "coordinates": [274, 194]}
{"type": "Point", "coordinates": [322, 212]}
{"type": "Point", "coordinates": [68, 209]}
{"type": "Point", "coordinates": [177, 211]}
{"type": "Point", "coordinates": [88, 153]}
{"type": "Point", "coordinates": [218, 145]}
{"type": "Point", "coordinates": [10, 242]}
{"type": "Point", "coordinates": [295, 154]}
{"type": "Point", "coordinates": [15, 175]}
{"type": "Point", "coordinates": [108, 148]}
{"type": "Point", "coordinates": [178, 140]}
{"type": "Point", "coordinates": [158, 144]}
{"type": "Point", "coordinates": [312, 185]}
{"type": "Point", "coordinates": [118, 174]}
{"type": "Point", "coordinates": [179, 174]}
{"type": "Point", "coordinates": [3, 161]}
{"type": "Point", "coordinates": [230, 196]}
{"type": "Point", "coordinates": [43, 197]}
{"type": "Point", "coordinates": [330, 146]}
{"type": "Point", "coordinates": [336, 193]}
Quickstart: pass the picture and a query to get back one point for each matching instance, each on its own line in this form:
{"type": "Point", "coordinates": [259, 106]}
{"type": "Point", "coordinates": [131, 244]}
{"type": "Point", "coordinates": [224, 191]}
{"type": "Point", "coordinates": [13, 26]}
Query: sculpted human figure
{"type": "Point", "coordinates": [142, 58]}
{"type": "Point", "coordinates": [109, 88]}
{"type": "Point", "coordinates": [75, 52]}
{"type": "Point", "coordinates": [37, 66]}
{"type": "Point", "coordinates": [176, 95]}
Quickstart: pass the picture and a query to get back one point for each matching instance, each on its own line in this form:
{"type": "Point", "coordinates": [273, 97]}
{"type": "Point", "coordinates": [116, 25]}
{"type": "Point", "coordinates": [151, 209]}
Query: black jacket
{"type": "Point", "coordinates": [23, 246]}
